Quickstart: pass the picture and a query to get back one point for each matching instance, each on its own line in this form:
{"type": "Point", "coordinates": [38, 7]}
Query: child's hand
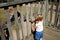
{"type": "Point", "coordinates": [34, 26]}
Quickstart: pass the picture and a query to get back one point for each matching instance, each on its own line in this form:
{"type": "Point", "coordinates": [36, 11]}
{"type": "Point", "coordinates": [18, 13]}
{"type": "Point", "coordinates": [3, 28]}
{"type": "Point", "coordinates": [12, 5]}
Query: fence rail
{"type": "Point", "coordinates": [3, 5]}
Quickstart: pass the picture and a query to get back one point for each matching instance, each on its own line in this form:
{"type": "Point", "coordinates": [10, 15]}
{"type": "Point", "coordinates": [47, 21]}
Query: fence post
{"type": "Point", "coordinates": [56, 16]}
{"type": "Point", "coordinates": [32, 16]}
{"type": "Point", "coordinates": [9, 24]}
{"type": "Point", "coordinates": [2, 32]}
{"type": "Point", "coordinates": [16, 22]}
{"type": "Point", "coordinates": [51, 14]}
{"type": "Point", "coordinates": [22, 23]}
{"type": "Point", "coordinates": [31, 10]}
{"type": "Point", "coordinates": [27, 19]}
{"type": "Point", "coordinates": [2, 24]}
{"type": "Point", "coordinates": [58, 24]}
{"type": "Point", "coordinates": [44, 12]}
{"type": "Point", "coordinates": [53, 17]}
{"type": "Point", "coordinates": [39, 8]}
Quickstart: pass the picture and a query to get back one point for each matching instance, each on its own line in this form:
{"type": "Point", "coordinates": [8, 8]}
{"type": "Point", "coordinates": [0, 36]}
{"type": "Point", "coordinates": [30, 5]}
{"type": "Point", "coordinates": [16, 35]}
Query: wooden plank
{"type": "Point", "coordinates": [2, 21]}
{"type": "Point", "coordinates": [22, 23]}
{"type": "Point", "coordinates": [53, 18]}
{"type": "Point", "coordinates": [9, 24]}
{"type": "Point", "coordinates": [56, 15]}
{"type": "Point", "coordinates": [16, 2]}
{"type": "Point", "coordinates": [44, 11]}
{"type": "Point", "coordinates": [27, 20]}
{"type": "Point", "coordinates": [51, 13]}
{"type": "Point", "coordinates": [39, 8]}
{"type": "Point", "coordinates": [49, 17]}
{"type": "Point", "coordinates": [2, 32]}
{"type": "Point", "coordinates": [46, 15]}
{"type": "Point", "coordinates": [31, 8]}
{"type": "Point", "coordinates": [58, 22]}
{"type": "Point", "coordinates": [16, 22]}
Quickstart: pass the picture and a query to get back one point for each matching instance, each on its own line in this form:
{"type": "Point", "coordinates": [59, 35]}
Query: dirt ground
{"type": "Point", "coordinates": [49, 34]}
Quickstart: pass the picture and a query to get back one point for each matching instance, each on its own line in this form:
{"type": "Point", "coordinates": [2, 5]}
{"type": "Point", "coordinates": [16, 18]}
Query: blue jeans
{"type": "Point", "coordinates": [38, 35]}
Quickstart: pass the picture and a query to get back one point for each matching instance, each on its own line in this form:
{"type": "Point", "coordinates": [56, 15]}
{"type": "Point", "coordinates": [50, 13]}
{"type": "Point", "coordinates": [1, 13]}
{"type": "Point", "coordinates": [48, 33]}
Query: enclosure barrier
{"type": "Point", "coordinates": [22, 27]}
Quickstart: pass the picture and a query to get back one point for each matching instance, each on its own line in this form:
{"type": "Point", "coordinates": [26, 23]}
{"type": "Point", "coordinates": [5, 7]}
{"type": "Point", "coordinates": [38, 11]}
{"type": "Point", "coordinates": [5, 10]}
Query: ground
{"type": "Point", "coordinates": [49, 34]}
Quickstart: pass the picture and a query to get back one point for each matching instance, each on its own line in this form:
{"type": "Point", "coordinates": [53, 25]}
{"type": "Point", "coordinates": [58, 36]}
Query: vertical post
{"type": "Point", "coordinates": [32, 16]}
{"type": "Point", "coordinates": [9, 24]}
{"type": "Point", "coordinates": [58, 24]}
{"type": "Point", "coordinates": [56, 15]}
{"type": "Point", "coordinates": [2, 32]}
{"type": "Point", "coordinates": [27, 19]}
{"type": "Point", "coordinates": [39, 8]}
{"type": "Point", "coordinates": [22, 23]}
{"type": "Point", "coordinates": [16, 22]}
{"type": "Point", "coordinates": [31, 10]}
{"type": "Point", "coordinates": [32, 19]}
{"type": "Point", "coordinates": [44, 11]}
{"type": "Point", "coordinates": [51, 14]}
{"type": "Point", "coordinates": [53, 17]}
{"type": "Point", "coordinates": [2, 22]}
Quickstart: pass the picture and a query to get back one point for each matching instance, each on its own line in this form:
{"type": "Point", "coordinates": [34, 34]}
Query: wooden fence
{"type": "Point", "coordinates": [21, 29]}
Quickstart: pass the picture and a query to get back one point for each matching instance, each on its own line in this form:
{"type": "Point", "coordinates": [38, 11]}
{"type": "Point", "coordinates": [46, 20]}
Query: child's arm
{"type": "Point", "coordinates": [5, 33]}
{"type": "Point", "coordinates": [34, 26]}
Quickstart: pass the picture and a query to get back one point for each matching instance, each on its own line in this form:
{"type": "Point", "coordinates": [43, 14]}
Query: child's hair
{"type": "Point", "coordinates": [11, 9]}
{"type": "Point", "coordinates": [40, 17]}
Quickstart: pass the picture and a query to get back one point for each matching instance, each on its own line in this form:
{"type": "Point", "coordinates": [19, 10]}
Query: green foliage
{"type": "Point", "coordinates": [2, 16]}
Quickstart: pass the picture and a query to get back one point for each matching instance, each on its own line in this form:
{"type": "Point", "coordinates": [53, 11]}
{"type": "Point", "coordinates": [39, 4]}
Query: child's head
{"type": "Point", "coordinates": [11, 11]}
{"type": "Point", "coordinates": [40, 17]}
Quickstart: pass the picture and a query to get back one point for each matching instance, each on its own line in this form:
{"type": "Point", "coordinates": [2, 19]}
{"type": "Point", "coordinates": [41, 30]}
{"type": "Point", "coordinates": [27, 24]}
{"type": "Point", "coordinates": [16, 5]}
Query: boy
{"type": "Point", "coordinates": [39, 27]}
{"type": "Point", "coordinates": [11, 12]}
